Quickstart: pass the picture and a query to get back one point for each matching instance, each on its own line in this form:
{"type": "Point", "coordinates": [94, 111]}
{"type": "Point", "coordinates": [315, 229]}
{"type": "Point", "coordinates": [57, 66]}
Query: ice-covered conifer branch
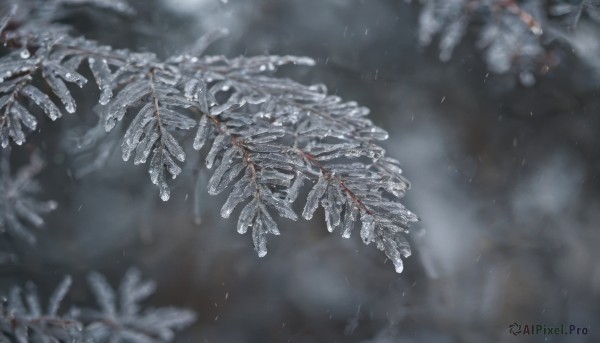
{"type": "Point", "coordinates": [516, 36]}
{"type": "Point", "coordinates": [121, 318]}
{"type": "Point", "coordinates": [25, 321]}
{"type": "Point", "coordinates": [122, 321]}
{"type": "Point", "coordinates": [269, 134]}
{"type": "Point", "coordinates": [19, 207]}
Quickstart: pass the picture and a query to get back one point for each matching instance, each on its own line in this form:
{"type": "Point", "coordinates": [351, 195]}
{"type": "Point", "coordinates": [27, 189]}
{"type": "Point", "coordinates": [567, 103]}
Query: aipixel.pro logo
{"type": "Point", "coordinates": [517, 329]}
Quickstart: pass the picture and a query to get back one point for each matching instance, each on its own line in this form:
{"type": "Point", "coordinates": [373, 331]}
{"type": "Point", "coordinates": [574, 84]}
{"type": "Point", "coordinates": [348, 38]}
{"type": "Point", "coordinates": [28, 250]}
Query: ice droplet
{"type": "Point", "coordinates": [165, 195]}
{"type": "Point", "coordinates": [105, 96]}
{"type": "Point", "coordinates": [70, 107]}
{"type": "Point", "coordinates": [25, 54]}
{"type": "Point", "coordinates": [262, 252]}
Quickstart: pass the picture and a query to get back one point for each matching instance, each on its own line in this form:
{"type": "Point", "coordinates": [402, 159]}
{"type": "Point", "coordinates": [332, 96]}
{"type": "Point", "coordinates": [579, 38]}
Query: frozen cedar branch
{"type": "Point", "coordinates": [19, 208]}
{"type": "Point", "coordinates": [122, 320]}
{"type": "Point", "coordinates": [266, 137]}
{"type": "Point", "coordinates": [22, 319]}
{"type": "Point", "coordinates": [516, 36]}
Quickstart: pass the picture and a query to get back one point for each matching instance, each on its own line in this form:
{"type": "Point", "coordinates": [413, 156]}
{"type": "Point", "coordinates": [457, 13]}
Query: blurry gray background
{"type": "Point", "coordinates": [505, 179]}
